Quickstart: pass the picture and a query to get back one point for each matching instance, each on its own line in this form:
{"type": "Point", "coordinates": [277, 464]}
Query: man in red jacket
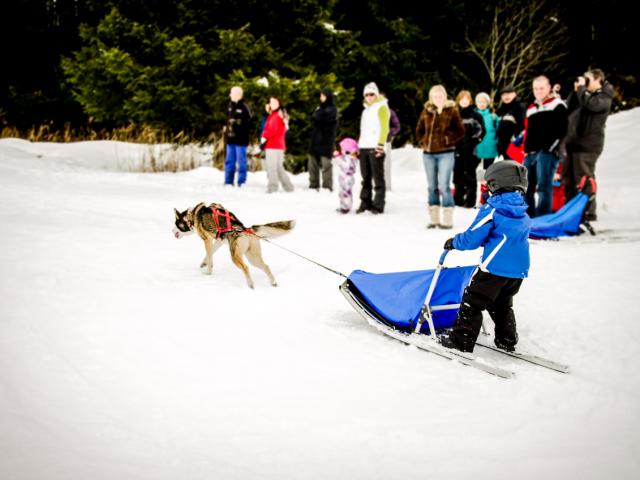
{"type": "Point", "coordinates": [546, 126]}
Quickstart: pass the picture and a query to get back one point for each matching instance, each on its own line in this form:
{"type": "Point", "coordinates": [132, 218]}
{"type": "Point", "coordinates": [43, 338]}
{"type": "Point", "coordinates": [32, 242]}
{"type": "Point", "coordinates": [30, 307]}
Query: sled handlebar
{"type": "Point", "coordinates": [432, 287]}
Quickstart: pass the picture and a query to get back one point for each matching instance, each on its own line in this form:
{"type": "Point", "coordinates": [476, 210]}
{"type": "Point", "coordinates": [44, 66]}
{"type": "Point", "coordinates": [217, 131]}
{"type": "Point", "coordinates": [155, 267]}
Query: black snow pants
{"type": "Point", "coordinates": [492, 293]}
{"type": "Point", "coordinates": [464, 178]}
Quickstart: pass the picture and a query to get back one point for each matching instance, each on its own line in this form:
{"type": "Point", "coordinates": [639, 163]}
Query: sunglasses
{"type": "Point", "coordinates": [369, 94]}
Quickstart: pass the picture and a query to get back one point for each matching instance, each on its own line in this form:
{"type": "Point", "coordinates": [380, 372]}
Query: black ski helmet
{"type": "Point", "coordinates": [506, 175]}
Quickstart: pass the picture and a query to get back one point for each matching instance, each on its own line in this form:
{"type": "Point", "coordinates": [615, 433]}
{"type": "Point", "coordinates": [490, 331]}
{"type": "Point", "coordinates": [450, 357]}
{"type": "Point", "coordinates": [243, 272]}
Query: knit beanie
{"type": "Point", "coordinates": [371, 88]}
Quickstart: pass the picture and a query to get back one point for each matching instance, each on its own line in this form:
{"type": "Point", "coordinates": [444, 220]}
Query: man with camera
{"type": "Point", "coordinates": [589, 106]}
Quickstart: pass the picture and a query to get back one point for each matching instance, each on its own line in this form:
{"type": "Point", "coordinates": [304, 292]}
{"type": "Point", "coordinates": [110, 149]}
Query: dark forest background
{"type": "Point", "coordinates": [87, 66]}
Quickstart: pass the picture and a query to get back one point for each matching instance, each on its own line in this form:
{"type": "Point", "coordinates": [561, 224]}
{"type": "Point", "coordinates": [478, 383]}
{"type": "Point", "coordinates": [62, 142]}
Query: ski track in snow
{"type": "Point", "coordinates": [119, 359]}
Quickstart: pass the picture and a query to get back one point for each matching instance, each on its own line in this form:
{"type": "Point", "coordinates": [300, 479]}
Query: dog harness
{"type": "Point", "coordinates": [226, 221]}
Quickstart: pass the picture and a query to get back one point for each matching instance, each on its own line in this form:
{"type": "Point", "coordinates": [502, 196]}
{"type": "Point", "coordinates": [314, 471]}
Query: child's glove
{"type": "Point", "coordinates": [448, 245]}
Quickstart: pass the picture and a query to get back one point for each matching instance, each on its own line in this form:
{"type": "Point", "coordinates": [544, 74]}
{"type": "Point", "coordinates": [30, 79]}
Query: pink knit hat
{"type": "Point", "coordinates": [348, 145]}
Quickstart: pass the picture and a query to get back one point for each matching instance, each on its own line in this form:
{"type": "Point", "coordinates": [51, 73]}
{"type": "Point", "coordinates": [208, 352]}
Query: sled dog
{"type": "Point", "coordinates": [216, 225]}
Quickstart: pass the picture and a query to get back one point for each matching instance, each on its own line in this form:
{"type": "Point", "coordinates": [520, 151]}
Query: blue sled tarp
{"type": "Point", "coordinates": [565, 222]}
{"type": "Point", "coordinates": [397, 298]}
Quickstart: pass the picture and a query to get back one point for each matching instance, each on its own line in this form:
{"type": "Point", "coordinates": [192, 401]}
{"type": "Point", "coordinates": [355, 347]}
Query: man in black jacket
{"type": "Point", "coordinates": [591, 101]}
{"type": "Point", "coordinates": [324, 125]}
{"type": "Point", "coordinates": [511, 114]}
{"type": "Point", "coordinates": [546, 127]}
{"type": "Point", "coordinates": [236, 136]}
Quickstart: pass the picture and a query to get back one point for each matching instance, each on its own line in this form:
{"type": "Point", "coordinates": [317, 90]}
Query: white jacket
{"type": "Point", "coordinates": [373, 131]}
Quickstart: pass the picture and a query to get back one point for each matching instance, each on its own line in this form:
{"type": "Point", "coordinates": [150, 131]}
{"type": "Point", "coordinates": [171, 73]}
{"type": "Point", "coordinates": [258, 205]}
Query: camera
{"type": "Point", "coordinates": [586, 79]}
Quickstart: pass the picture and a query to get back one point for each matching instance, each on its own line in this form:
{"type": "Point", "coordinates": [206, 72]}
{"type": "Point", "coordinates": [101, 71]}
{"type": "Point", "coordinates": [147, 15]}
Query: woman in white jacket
{"type": "Point", "coordinates": [374, 129]}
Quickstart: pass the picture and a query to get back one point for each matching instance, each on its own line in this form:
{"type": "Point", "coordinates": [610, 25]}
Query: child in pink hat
{"type": "Point", "coordinates": [346, 161]}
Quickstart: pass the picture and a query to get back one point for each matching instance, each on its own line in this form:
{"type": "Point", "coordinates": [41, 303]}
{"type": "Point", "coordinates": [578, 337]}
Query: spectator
{"type": "Point", "coordinates": [466, 161]}
{"type": "Point", "coordinates": [546, 126]}
{"type": "Point", "coordinates": [347, 161]}
{"type": "Point", "coordinates": [273, 142]}
{"type": "Point", "coordinates": [394, 129]}
{"type": "Point", "coordinates": [439, 128]}
{"type": "Point", "coordinates": [374, 131]}
{"type": "Point", "coordinates": [324, 124]}
{"type": "Point", "coordinates": [585, 139]}
{"type": "Point", "coordinates": [511, 121]}
{"type": "Point", "coordinates": [236, 135]}
{"type": "Point", "coordinates": [487, 150]}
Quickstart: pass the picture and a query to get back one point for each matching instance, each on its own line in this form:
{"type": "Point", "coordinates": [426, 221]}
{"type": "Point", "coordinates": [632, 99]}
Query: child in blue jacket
{"type": "Point", "coordinates": [502, 228]}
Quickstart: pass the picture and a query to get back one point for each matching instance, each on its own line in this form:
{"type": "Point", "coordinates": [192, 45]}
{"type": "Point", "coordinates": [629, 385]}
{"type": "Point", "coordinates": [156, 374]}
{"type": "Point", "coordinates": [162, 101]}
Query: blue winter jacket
{"type": "Point", "coordinates": [502, 228]}
{"type": "Point", "coordinates": [488, 147]}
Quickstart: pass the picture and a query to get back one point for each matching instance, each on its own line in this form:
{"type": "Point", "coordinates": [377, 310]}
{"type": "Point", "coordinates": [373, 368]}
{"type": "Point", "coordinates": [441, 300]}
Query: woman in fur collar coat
{"type": "Point", "coordinates": [439, 128]}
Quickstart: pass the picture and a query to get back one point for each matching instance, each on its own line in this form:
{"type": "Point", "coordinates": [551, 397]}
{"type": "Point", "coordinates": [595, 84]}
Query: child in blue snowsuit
{"type": "Point", "coordinates": [502, 228]}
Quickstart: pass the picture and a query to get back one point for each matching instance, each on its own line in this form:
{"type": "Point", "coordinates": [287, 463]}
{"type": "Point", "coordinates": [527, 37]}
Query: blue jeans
{"type": "Point", "coordinates": [235, 154]}
{"type": "Point", "coordinates": [439, 169]}
{"type": "Point", "coordinates": [540, 169]}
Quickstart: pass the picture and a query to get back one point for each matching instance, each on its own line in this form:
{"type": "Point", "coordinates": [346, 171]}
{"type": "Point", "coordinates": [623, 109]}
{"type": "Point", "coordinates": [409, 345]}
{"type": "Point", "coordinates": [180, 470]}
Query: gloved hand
{"type": "Point", "coordinates": [379, 150]}
{"type": "Point", "coordinates": [448, 245]}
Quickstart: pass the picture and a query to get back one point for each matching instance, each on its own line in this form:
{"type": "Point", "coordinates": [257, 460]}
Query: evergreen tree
{"type": "Point", "coordinates": [168, 64]}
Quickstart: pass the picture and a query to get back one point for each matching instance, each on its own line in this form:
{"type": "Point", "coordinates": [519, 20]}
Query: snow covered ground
{"type": "Point", "coordinates": [119, 359]}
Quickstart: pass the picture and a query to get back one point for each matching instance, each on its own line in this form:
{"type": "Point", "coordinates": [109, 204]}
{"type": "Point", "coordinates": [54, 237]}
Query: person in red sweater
{"type": "Point", "coordinates": [274, 145]}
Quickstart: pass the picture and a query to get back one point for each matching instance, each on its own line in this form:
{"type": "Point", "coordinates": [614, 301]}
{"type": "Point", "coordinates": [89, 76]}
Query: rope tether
{"type": "Point", "coordinates": [301, 256]}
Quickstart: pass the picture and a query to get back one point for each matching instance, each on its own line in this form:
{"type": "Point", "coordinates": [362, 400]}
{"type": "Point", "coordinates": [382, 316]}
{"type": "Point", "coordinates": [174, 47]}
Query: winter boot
{"type": "Point", "coordinates": [504, 346]}
{"type": "Point", "coordinates": [506, 335]}
{"type": "Point", "coordinates": [362, 208]}
{"type": "Point", "coordinates": [457, 341]}
{"type": "Point", "coordinates": [447, 341]}
{"type": "Point", "coordinates": [434, 216]}
{"type": "Point", "coordinates": [447, 218]}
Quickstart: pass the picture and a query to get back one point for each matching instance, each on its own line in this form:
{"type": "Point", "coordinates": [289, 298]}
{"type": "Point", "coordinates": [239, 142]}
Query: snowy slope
{"type": "Point", "coordinates": [119, 359]}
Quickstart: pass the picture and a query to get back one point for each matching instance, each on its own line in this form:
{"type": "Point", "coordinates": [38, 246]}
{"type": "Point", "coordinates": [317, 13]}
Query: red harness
{"type": "Point", "coordinates": [219, 212]}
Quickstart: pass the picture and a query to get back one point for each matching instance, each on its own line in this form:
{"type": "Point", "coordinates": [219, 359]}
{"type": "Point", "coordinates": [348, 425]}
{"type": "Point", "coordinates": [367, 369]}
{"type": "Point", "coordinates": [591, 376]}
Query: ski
{"type": "Point", "coordinates": [426, 343]}
{"type": "Point", "coordinates": [527, 357]}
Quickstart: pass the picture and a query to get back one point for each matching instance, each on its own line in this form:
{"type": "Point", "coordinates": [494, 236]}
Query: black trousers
{"type": "Point", "coordinates": [372, 170]}
{"type": "Point", "coordinates": [494, 294]}
{"type": "Point", "coordinates": [464, 178]}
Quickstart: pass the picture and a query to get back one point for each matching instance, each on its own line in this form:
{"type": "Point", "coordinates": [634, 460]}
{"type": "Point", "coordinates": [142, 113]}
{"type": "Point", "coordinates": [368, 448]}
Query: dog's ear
{"type": "Point", "coordinates": [177, 212]}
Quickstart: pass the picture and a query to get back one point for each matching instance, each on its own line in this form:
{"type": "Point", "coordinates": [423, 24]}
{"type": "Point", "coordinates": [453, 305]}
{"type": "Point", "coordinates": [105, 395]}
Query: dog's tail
{"type": "Point", "coordinates": [275, 229]}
